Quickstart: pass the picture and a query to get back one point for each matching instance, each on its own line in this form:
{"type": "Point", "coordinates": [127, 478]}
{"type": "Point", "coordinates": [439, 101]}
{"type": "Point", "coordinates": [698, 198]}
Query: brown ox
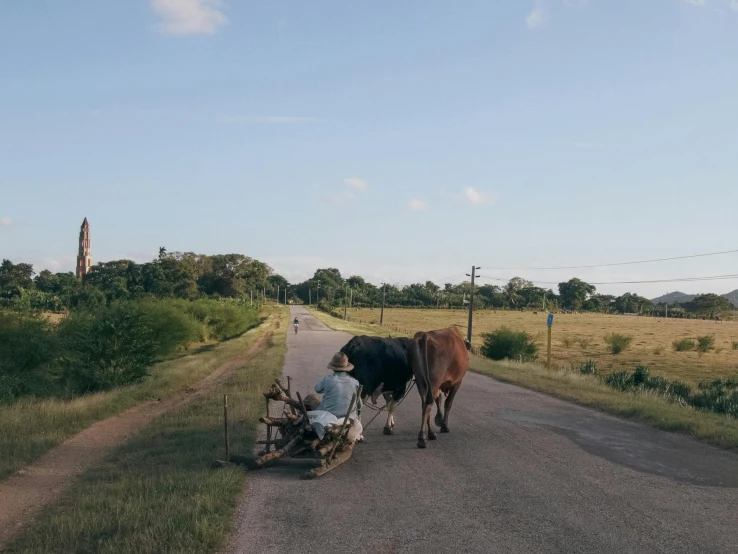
{"type": "Point", "coordinates": [439, 360]}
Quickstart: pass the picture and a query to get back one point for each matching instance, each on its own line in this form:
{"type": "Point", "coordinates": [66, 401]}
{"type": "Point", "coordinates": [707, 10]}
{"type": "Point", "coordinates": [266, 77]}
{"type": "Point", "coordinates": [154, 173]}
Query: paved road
{"type": "Point", "coordinates": [520, 472]}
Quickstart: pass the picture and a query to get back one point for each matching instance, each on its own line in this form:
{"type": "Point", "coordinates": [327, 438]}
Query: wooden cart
{"type": "Point", "coordinates": [291, 435]}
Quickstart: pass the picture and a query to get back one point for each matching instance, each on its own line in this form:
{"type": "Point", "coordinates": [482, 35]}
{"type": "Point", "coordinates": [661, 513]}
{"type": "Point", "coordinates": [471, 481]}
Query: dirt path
{"type": "Point", "coordinates": [42, 482]}
{"type": "Point", "coordinates": [519, 472]}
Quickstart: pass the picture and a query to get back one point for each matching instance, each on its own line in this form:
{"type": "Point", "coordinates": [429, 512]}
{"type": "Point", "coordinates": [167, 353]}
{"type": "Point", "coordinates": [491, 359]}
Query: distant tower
{"type": "Point", "coordinates": [84, 261]}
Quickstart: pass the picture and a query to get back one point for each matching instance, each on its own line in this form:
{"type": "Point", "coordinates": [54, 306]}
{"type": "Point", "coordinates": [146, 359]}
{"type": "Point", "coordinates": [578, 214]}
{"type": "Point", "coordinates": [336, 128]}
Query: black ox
{"type": "Point", "coordinates": [382, 368]}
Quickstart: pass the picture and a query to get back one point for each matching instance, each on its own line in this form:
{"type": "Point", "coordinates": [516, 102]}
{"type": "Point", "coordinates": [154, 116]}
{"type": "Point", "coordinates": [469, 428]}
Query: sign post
{"type": "Point", "coordinates": [549, 323]}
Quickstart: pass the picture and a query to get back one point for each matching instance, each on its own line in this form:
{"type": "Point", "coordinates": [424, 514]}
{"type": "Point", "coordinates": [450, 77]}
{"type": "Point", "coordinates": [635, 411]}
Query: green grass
{"type": "Point", "coordinates": [30, 427]}
{"type": "Point", "coordinates": [158, 492]}
{"type": "Point", "coordinates": [588, 390]}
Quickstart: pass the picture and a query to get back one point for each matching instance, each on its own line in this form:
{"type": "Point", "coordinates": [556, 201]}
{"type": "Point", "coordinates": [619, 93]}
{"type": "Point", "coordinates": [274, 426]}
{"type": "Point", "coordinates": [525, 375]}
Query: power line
{"type": "Point", "coordinates": [611, 264]}
{"type": "Point", "coordinates": [679, 280]}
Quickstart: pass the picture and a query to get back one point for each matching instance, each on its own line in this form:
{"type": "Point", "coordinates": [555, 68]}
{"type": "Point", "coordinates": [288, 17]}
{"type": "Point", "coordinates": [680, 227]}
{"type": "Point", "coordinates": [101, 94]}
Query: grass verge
{"type": "Point", "coordinates": [158, 493]}
{"type": "Point", "coordinates": [351, 327]}
{"type": "Point", "coordinates": [587, 390]}
{"type": "Point", "coordinates": [31, 427]}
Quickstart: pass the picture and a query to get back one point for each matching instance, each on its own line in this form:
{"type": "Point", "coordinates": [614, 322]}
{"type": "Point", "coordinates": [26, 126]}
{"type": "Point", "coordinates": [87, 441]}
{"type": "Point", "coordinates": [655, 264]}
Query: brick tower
{"type": "Point", "coordinates": [84, 261]}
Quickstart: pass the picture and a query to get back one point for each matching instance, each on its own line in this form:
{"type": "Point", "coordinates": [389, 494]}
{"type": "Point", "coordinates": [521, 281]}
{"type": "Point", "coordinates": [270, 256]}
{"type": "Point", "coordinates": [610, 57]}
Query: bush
{"type": "Point", "coordinates": [28, 349]}
{"type": "Point", "coordinates": [640, 375]}
{"type": "Point", "coordinates": [620, 380]}
{"type": "Point", "coordinates": [170, 326]}
{"type": "Point", "coordinates": [705, 343]}
{"type": "Point", "coordinates": [618, 342]}
{"type": "Point", "coordinates": [504, 343]}
{"type": "Point", "coordinates": [658, 350]}
{"type": "Point", "coordinates": [567, 341]}
{"type": "Point", "coordinates": [735, 345]}
{"type": "Point", "coordinates": [585, 342]}
{"type": "Point", "coordinates": [106, 347]}
{"type": "Point", "coordinates": [222, 320]}
{"type": "Point", "coordinates": [683, 345]}
{"type": "Point", "coordinates": [588, 368]}
{"type": "Point", "coordinates": [680, 389]}
{"type": "Point", "coordinates": [720, 396]}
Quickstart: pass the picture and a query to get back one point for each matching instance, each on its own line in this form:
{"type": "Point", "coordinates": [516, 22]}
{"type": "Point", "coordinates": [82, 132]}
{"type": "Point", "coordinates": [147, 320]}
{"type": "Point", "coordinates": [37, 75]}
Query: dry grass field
{"type": "Point", "coordinates": [578, 337]}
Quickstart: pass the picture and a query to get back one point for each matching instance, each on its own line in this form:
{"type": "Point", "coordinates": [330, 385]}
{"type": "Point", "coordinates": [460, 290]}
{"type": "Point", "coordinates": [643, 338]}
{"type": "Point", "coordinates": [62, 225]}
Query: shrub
{"type": "Point", "coordinates": [658, 383]}
{"type": "Point", "coordinates": [658, 350]}
{"type": "Point", "coordinates": [705, 343]}
{"type": "Point", "coordinates": [640, 375]}
{"type": "Point", "coordinates": [588, 368]}
{"type": "Point", "coordinates": [735, 345]}
{"type": "Point", "coordinates": [720, 396]}
{"type": "Point", "coordinates": [222, 320]}
{"type": "Point", "coordinates": [106, 347]}
{"type": "Point", "coordinates": [618, 342]}
{"type": "Point", "coordinates": [679, 389]}
{"type": "Point", "coordinates": [620, 380]}
{"type": "Point", "coordinates": [504, 343]}
{"type": "Point", "coordinates": [585, 342]}
{"type": "Point", "coordinates": [170, 326]}
{"type": "Point", "coordinates": [683, 345]}
{"type": "Point", "coordinates": [28, 348]}
{"type": "Point", "coordinates": [567, 341]}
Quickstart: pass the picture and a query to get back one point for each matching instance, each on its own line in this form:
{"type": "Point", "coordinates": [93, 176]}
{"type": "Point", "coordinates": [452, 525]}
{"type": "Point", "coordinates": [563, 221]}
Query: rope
{"type": "Point", "coordinates": [383, 408]}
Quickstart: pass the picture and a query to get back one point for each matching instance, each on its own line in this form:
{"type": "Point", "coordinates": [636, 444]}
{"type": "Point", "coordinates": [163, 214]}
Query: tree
{"type": "Point", "coordinates": [630, 303]}
{"type": "Point", "coordinates": [14, 278]}
{"type": "Point", "coordinates": [710, 305]}
{"type": "Point", "coordinates": [574, 293]}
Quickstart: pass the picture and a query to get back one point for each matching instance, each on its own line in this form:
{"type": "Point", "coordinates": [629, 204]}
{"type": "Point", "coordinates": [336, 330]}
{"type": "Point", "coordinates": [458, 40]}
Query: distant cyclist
{"type": "Point", "coordinates": [297, 324]}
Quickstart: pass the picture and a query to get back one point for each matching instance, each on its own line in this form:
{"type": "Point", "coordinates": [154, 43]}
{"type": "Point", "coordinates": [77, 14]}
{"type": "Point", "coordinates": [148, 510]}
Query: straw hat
{"type": "Point", "coordinates": [340, 363]}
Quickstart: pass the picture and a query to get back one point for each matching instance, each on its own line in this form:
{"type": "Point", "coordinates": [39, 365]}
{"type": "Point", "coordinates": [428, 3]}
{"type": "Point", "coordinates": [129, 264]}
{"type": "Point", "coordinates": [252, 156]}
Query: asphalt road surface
{"type": "Point", "coordinates": [519, 472]}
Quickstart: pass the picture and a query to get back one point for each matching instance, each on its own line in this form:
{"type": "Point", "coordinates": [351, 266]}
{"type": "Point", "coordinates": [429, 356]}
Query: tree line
{"type": "Point", "coordinates": [183, 275]}
{"type": "Point", "coordinates": [189, 276]}
{"type": "Point", "coordinates": [328, 287]}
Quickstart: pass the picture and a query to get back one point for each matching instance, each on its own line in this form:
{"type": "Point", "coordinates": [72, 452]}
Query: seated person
{"type": "Point", "coordinates": [338, 388]}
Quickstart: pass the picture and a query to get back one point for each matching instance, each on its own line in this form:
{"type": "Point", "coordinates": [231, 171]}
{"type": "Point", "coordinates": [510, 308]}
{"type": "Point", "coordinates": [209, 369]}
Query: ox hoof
{"type": "Point", "coordinates": [432, 435]}
{"type": "Point", "coordinates": [439, 420]}
{"type": "Point", "coordinates": [422, 443]}
{"type": "Point", "coordinates": [388, 431]}
{"type": "Point", "coordinates": [445, 429]}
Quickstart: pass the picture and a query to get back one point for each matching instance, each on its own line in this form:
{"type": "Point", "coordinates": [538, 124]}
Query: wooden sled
{"type": "Point", "coordinates": [292, 436]}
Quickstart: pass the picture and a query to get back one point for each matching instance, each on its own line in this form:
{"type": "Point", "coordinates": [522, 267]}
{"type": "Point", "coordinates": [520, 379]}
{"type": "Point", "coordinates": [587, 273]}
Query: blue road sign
{"type": "Point", "coordinates": [550, 321]}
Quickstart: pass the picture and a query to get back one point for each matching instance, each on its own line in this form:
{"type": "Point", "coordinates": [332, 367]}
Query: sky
{"type": "Point", "coordinates": [402, 141]}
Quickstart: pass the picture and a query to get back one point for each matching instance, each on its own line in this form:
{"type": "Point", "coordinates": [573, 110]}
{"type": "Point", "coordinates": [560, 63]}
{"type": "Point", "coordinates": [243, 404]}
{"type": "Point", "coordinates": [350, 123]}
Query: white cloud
{"type": "Point", "coordinates": [473, 196]}
{"type": "Point", "coordinates": [189, 17]}
{"type": "Point", "coordinates": [355, 182]}
{"type": "Point", "coordinates": [700, 3]}
{"type": "Point", "coordinates": [734, 5]}
{"type": "Point", "coordinates": [417, 205]}
{"type": "Point", "coordinates": [266, 119]}
{"type": "Point", "coordinates": [5, 222]}
{"type": "Point", "coordinates": [537, 17]}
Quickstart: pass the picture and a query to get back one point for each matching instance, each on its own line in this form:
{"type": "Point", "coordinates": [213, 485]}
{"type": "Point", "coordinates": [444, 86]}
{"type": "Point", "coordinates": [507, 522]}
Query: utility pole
{"type": "Point", "coordinates": [384, 294]}
{"type": "Point", "coordinates": [471, 302]}
{"type": "Point", "coordinates": [277, 294]}
{"type": "Point", "coordinates": [285, 296]}
{"type": "Point", "coordinates": [667, 310]}
{"type": "Point", "coordinates": [345, 304]}
{"type": "Point", "coordinates": [317, 297]}
{"type": "Point", "coordinates": [310, 296]}
{"type": "Point", "coordinates": [252, 298]}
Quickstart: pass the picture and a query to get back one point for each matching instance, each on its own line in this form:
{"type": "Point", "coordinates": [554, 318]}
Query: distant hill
{"type": "Point", "coordinates": [733, 297]}
{"type": "Point", "coordinates": [681, 297]}
{"type": "Point", "coordinates": [676, 298]}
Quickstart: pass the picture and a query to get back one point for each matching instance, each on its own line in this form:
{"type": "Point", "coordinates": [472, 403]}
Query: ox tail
{"type": "Point", "coordinates": [424, 347]}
